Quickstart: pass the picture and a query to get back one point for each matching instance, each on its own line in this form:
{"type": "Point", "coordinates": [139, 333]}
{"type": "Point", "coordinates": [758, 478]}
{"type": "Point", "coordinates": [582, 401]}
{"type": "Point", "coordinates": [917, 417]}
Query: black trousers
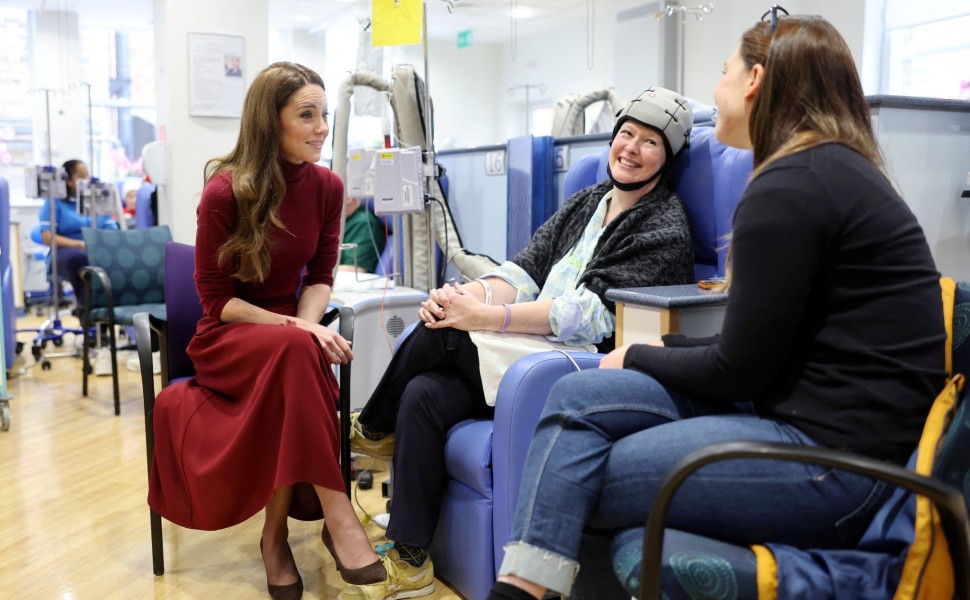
{"type": "Point", "coordinates": [431, 384]}
{"type": "Point", "coordinates": [69, 263]}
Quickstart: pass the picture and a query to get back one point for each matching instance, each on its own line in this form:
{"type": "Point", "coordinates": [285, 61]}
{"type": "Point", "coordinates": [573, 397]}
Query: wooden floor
{"type": "Point", "coordinates": [73, 516]}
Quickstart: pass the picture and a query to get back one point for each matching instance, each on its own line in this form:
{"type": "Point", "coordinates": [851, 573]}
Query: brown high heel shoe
{"type": "Point", "coordinates": [372, 573]}
{"type": "Point", "coordinates": [290, 591]}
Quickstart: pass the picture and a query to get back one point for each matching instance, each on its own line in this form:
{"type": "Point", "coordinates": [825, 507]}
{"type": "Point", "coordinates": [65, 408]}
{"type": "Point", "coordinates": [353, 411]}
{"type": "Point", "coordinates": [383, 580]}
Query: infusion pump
{"type": "Point", "coordinates": [95, 197]}
{"type": "Point", "coordinates": [45, 182]}
{"type": "Point", "coordinates": [98, 197]}
{"type": "Point", "coordinates": [394, 177]}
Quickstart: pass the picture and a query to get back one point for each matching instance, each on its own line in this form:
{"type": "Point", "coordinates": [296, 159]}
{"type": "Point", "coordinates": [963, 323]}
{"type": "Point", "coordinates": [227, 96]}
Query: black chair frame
{"type": "Point", "coordinates": [948, 499]}
{"type": "Point", "coordinates": [87, 273]}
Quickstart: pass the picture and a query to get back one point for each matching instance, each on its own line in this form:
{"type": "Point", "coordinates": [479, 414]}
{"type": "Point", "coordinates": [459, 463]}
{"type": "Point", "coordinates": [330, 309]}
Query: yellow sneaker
{"type": "Point", "coordinates": [382, 448]}
{"type": "Point", "coordinates": [403, 581]}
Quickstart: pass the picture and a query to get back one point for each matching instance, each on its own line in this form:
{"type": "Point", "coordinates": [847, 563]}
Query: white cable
{"type": "Point", "coordinates": [569, 358]}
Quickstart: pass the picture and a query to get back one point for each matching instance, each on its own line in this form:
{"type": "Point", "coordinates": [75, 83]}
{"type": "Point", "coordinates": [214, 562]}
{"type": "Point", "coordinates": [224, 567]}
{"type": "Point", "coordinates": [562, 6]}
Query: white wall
{"type": "Point", "coordinates": [470, 86]}
{"type": "Point", "coordinates": [711, 41]}
{"type": "Point", "coordinates": [304, 47]}
{"type": "Point", "coordinates": [558, 60]}
{"type": "Point", "coordinates": [466, 88]}
{"type": "Point", "coordinates": [340, 54]}
{"type": "Point", "coordinates": [638, 56]}
{"type": "Point", "coordinates": [927, 154]}
{"type": "Point", "coordinates": [194, 140]}
{"type": "Point", "coordinates": [56, 68]}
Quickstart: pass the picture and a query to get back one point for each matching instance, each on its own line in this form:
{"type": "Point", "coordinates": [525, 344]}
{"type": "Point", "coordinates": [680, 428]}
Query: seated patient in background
{"type": "Point", "coordinates": [71, 254]}
{"type": "Point", "coordinates": [361, 227]}
{"type": "Point", "coordinates": [627, 231]}
{"type": "Point", "coordinates": [129, 200]}
{"type": "Point", "coordinates": [833, 336]}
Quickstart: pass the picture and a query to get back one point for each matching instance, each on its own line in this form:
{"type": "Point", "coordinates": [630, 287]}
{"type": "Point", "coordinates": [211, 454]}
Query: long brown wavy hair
{"type": "Point", "coordinates": [258, 184]}
{"type": "Point", "coordinates": [810, 94]}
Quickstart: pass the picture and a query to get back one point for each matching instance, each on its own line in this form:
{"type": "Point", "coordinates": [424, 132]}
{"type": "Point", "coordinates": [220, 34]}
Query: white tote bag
{"type": "Point", "coordinates": [497, 351]}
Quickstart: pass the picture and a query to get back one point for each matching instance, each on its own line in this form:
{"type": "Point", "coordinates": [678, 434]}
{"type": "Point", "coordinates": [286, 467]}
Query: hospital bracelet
{"type": "Point", "coordinates": [488, 291]}
{"type": "Point", "coordinates": [508, 318]}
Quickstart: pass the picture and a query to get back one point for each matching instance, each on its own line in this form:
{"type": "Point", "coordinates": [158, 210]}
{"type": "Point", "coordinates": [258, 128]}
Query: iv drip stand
{"type": "Point", "coordinates": [429, 165]}
{"type": "Point", "coordinates": [90, 130]}
{"type": "Point", "coordinates": [55, 293]}
{"type": "Point", "coordinates": [528, 104]}
{"type": "Point", "coordinates": [51, 330]}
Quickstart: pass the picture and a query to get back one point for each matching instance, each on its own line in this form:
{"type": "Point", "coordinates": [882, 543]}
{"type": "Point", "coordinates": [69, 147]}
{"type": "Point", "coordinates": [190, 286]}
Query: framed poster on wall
{"type": "Point", "coordinates": [217, 82]}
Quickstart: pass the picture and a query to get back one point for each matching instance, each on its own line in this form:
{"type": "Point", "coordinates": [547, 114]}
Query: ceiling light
{"type": "Point", "coordinates": [522, 12]}
{"type": "Point", "coordinates": [301, 18]}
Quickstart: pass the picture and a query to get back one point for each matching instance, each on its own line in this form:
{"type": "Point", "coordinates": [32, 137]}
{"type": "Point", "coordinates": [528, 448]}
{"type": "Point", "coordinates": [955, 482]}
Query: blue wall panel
{"type": "Point", "coordinates": [531, 191]}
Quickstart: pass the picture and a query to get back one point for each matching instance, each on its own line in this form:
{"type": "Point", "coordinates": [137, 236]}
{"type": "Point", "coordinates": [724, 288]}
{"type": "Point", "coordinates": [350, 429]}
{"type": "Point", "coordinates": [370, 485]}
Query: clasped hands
{"type": "Point", "coordinates": [451, 306]}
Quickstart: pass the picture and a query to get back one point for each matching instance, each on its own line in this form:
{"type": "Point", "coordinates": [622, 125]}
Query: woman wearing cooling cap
{"type": "Point", "coordinates": [627, 231]}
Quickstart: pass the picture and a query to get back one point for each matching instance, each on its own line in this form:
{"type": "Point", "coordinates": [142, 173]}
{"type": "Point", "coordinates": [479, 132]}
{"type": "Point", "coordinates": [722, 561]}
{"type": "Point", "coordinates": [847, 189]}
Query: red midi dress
{"type": "Point", "coordinates": [261, 411]}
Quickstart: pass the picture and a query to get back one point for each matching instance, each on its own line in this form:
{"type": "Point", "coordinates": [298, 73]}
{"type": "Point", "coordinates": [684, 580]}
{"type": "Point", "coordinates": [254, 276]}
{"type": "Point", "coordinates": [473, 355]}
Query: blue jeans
{"type": "Point", "coordinates": [604, 442]}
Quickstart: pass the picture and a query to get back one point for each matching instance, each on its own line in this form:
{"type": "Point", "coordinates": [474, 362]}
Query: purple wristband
{"type": "Point", "coordinates": [508, 318]}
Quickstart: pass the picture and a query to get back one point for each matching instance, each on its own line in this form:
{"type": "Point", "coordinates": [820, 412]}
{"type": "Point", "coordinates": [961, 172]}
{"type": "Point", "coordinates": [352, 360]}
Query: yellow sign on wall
{"type": "Point", "coordinates": [396, 22]}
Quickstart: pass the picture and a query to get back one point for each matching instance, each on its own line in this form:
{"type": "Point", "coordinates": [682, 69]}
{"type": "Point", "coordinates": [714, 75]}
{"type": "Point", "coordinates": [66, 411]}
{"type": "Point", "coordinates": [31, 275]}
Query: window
{"type": "Point", "coordinates": [120, 67]}
{"type": "Point", "coordinates": [16, 109]}
{"type": "Point", "coordinates": [926, 49]}
{"type": "Point", "coordinates": [541, 120]}
{"type": "Point", "coordinates": [120, 64]}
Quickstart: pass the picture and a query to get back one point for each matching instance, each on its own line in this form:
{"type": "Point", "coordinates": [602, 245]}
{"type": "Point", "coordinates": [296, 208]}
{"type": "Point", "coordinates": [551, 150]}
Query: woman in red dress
{"type": "Point", "coordinates": [257, 426]}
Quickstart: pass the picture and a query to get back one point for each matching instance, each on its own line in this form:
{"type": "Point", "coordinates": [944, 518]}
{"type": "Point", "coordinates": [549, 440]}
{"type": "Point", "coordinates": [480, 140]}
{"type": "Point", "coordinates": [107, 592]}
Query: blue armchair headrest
{"type": "Point", "coordinates": [710, 179]}
{"type": "Point", "coordinates": [144, 215]}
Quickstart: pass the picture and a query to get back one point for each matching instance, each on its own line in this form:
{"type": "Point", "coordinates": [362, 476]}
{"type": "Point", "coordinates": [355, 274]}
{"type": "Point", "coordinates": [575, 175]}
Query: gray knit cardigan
{"type": "Point", "coordinates": [645, 245]}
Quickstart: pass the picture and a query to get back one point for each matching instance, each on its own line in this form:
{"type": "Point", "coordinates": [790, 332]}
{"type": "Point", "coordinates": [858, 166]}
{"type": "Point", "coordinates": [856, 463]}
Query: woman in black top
{"type": "Point", "coordinates": [833, 336]}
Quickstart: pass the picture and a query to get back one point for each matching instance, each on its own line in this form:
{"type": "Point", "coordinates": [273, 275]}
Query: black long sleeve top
{"type": "Point", "coordinates": [834, 321]}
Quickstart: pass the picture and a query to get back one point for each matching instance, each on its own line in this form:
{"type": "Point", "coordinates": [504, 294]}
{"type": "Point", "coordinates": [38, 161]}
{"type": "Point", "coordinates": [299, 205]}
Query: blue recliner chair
{"type": "Point", "coordinates": [144, 215]}
{"type": "Point", "coordinates": [6, 279]}
{"type": "Point", "coordinates": [484, 458]}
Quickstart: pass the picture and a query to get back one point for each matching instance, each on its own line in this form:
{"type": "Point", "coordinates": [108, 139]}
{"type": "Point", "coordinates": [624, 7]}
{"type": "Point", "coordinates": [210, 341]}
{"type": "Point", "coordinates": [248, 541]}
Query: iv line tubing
{"type": "Point", "coordinates": [429, 152]}
{"type": "Point", "coordinates": [91, 130]}
{"type": "Point", "coordinates": [47, 110]}
{"type": "Point", "coordinates": [55, 292]}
